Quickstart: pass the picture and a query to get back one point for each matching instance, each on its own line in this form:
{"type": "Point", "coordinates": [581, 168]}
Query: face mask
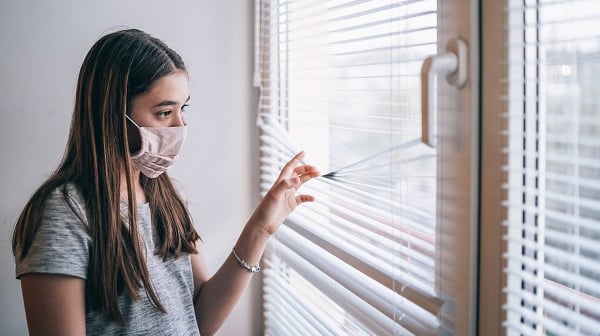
{"type": "Point", "coordinates": [160, 148]}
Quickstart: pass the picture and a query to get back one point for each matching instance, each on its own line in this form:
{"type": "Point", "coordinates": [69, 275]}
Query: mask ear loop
{"type": "Point", "coordinates": [139, 131]}
{"type": "Point", "coordinates": [133, 122]}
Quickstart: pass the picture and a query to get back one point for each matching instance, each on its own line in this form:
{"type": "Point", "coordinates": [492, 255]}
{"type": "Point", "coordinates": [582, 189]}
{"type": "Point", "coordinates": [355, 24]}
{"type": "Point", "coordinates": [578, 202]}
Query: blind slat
{"type": "Point", "coordinates": [403, 284]}
{"type": "Point", "coordinates": [567, 257]}
{"type": "Point", "coordinates": [557, 273]}
{"type": "Point", "coordinates": [274, 284]}
{"type": "Point", "coordinates": [299, 325]}
{"type": "Point", "coordinates": [350, 302]}
{"type": "Point", "coordinates": [422, 252]}
{"type": "Point", "coordinates": [563, 237]}
{"type": "Point", "coordinates": [422, 269]}
{"type": "Point", "coordinates": [568, 218]}
{"type": "Point", "coordinates": [558, 196]}
{"type": "Point", "coordinates": [563, 293]}
{"type": "Point", "coordinates": [541, 323]}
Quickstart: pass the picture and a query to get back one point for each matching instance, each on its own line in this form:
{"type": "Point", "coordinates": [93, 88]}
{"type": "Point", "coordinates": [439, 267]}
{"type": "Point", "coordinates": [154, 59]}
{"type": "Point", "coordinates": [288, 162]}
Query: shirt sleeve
{"type": "Point", "coordinates": [62, 242]}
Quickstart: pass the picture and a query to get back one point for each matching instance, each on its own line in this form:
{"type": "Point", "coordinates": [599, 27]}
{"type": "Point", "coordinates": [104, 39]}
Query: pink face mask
{"type": "Point", "coordinates": [160, 148]}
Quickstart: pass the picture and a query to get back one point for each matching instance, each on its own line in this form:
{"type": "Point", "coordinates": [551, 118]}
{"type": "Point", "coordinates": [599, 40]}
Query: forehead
{"type": "Point", "coordinates": [174, 87]}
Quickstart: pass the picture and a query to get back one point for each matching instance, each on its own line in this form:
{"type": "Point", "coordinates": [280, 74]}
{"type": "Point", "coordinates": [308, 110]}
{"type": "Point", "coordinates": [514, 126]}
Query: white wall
{"type": "Point", "coordinates": [42, 45]}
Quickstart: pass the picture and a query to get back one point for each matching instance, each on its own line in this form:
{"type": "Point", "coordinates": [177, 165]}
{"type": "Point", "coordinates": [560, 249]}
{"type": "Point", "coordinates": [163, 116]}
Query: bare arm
{"type": "Point", "coordinates": [54, 304]}
{"type": "Point", "coordinates": [217, 296]}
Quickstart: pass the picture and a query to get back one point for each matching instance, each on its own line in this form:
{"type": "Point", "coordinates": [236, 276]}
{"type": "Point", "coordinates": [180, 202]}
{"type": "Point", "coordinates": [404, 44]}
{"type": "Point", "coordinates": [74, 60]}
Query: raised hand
{"type": "Point", "coordinates": [281, 199]}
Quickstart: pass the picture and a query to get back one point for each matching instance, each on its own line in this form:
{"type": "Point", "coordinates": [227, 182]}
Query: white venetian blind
{"type": "Point", "coordinates": [553, 171]}
{"type": "Point", "coordinates": [340, 80]}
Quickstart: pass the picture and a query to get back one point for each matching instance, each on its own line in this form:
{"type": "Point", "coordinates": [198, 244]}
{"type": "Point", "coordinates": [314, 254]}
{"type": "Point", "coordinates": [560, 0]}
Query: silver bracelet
{"type": "Point", "coordinates": [244, 265]}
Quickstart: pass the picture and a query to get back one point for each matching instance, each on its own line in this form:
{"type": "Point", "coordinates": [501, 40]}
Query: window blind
{"type": "Point", "coordinates": [553, 170]}
{"type": "Point", "coordinates": [340, 80]}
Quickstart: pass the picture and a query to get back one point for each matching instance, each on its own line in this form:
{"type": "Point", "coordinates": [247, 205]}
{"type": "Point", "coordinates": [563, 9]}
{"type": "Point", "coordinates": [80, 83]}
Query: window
{"type": "Point", "coordinates": [553, 170]}
{"type": "Point", "coordinates": [388, 247]}
{"type": "Point", "coordinates": [342, 79]}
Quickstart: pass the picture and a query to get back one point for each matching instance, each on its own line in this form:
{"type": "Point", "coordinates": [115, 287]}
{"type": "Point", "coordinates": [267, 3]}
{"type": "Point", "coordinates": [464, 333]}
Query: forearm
{"type": "Point", "coordinates": [221, 292]}
{"type": "Point", "coordinates": [218, 295]}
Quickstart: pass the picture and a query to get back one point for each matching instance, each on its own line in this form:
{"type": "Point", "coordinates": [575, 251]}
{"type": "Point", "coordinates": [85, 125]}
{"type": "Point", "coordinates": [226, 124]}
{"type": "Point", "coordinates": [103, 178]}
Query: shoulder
{"type": "Point", "coordinates": [65, 201]}
{"type": "Point", "coordinates": [61, 241]}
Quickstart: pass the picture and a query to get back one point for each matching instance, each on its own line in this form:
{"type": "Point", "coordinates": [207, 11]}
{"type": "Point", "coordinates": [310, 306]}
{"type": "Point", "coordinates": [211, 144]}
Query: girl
{"type": "Point", "coordinates": [106, 245]}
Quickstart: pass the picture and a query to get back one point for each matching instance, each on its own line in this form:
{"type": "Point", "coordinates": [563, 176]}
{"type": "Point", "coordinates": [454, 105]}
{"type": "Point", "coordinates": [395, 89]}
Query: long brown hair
{"type": "Point", "coordinates": [118, 67]}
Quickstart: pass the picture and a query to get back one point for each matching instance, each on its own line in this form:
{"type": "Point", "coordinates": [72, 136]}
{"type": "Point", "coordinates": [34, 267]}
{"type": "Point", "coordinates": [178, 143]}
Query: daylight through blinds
{"type": "Point", "coordinates": [553, 170]}
{"type": "Point", "coordinates": [340, 80]}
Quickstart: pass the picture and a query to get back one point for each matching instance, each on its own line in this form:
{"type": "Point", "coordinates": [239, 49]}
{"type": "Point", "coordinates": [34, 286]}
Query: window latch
{"type": "Point", "coordinates": [451, 63]}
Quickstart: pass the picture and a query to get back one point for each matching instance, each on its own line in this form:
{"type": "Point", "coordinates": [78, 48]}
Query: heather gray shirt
{"type": "Point", "coordinates": [62, 245]}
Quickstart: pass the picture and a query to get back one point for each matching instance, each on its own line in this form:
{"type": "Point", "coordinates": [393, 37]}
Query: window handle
{"type": "Point", "coordinates": [453, 64]}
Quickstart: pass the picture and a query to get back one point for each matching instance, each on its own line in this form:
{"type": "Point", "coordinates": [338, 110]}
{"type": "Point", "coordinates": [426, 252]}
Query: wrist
{"type": "Point", "coordinates": [243, 264]}
{"type": "Point", "coordinates": [260, 227]}
{"type": "Point", "coordinates": [251, 244]}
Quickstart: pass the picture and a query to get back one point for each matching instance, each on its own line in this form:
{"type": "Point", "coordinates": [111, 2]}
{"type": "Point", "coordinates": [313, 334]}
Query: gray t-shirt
{"type": "Point", "coordinates": [62, 245]}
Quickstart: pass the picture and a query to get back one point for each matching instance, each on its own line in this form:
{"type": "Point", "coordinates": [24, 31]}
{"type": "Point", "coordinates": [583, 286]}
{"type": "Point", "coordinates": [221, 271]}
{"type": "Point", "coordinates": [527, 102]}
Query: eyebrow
{"type": "Point", "coordinates": [169, 102]}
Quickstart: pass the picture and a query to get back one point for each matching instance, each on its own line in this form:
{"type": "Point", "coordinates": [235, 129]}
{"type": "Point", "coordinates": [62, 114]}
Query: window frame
{"type": "Point", "coordinates": [491, 280]}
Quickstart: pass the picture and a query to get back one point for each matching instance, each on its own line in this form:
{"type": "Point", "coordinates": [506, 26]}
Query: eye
{"type": "Point", "coordinates": [163, 114]}
{"type": "Point", "coordinates": [184, 107]}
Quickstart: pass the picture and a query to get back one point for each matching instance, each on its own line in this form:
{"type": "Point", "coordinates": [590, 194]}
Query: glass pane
{"type": "Point", "coordinates": [556, 129]}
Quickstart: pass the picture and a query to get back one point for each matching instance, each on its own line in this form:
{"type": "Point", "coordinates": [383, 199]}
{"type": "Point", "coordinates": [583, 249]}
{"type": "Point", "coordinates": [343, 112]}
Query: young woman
{"type": "Point", "coordinates": [106, 245]}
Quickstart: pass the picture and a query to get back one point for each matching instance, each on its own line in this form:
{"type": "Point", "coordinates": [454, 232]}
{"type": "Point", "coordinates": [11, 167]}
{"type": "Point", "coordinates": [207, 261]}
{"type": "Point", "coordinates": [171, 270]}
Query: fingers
{"type": "Point", "coordinates": [304, 198]}
{"type": "Point", "coordinates": [298, 156]}
{"type": "Point", "coordinates": [306, 170]}
{"type": "Point", "coordinates": [293, 176]}
{"type": "Point", "coordinates": [294, 183]}
{"type": "Point", "coordinates": [289, 183]}
{"type": "Point", "coordinates": [289, 167]}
